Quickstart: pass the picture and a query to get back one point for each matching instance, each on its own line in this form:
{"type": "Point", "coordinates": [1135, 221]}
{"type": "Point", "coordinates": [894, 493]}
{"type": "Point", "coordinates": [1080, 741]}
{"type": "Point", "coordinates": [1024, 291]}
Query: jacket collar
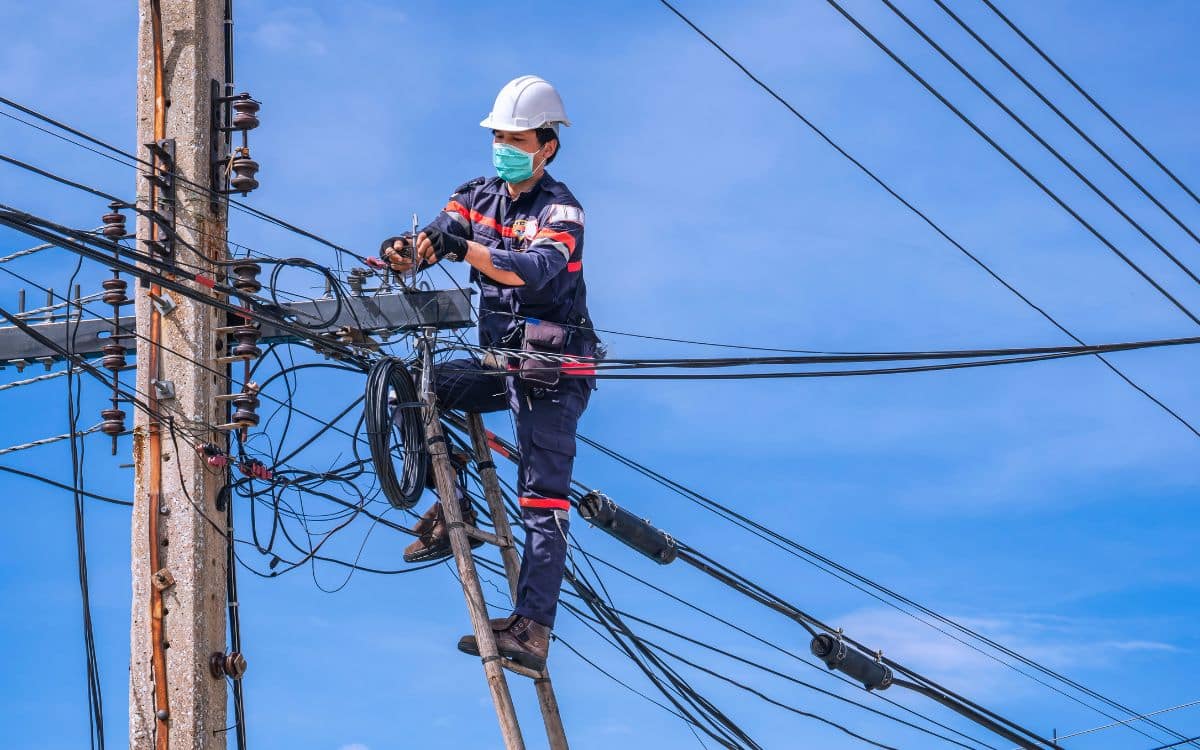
{"type": "Point", "coordinates": [497, 186]}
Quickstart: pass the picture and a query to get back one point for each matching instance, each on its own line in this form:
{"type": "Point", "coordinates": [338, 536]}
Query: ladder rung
{"type": "Point", "coordinates": [524, 671]}
{"type": "Point", "coordinates": [471, 531]}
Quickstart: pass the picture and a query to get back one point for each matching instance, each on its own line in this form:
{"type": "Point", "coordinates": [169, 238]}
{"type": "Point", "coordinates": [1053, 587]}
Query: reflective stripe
{"type": "Point", "coordinates": [563, 212]}
{"type": "Point", "coordinates": [563, 237]}
{"type": "Point", "coordinates": [478, 218]}
{"type": "Point", "coordinates": [580, 368]}
{"type": "Point", "coordinates": [566, 253]}
{"type": "Point", "coordinates": [552, 503]}
{"type": "Point", "coordinates": [458, 218]}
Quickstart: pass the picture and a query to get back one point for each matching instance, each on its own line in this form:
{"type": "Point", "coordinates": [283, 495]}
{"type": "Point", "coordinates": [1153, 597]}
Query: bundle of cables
{"type": "Point", "coordinates": [395, 429]}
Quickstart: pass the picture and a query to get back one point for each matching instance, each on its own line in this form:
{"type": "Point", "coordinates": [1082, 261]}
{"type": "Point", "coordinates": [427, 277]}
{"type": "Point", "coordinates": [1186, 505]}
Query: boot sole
{"type": "Point", "coordinates": [467, 645]}
{"type": "Point", "coordinates": [438, 552]}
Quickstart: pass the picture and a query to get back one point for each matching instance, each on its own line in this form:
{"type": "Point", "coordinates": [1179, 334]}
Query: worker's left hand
{"type": "Point", "coordinates": [433, 245]}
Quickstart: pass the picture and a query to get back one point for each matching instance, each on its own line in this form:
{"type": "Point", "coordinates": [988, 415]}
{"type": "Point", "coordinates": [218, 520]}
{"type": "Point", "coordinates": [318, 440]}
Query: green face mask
{"type": "Point", "coordinates": [511, 163]}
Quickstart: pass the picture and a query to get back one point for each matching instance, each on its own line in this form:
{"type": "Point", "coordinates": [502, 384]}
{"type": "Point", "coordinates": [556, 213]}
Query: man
{"type": "Point", "coordinates": [522, 234]}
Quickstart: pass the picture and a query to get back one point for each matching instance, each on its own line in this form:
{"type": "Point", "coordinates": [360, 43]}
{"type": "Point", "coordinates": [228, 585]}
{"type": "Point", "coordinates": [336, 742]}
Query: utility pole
{"type": "Point", "coordinates": [179, 548]}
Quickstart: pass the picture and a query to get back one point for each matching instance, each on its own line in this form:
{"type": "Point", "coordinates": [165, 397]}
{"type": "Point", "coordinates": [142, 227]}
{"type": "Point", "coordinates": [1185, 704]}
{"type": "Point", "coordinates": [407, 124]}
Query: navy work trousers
{"type": "Point", "coordinates": [545, 423]}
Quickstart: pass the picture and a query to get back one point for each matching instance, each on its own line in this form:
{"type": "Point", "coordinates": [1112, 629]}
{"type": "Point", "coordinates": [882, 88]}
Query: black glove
{"type": "Point", "coordinates": [446, 246]}
{"type": "Point", "coordinates": [385, 248]}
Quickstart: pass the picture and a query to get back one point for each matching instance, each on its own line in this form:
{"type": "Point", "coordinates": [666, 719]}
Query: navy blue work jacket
{"type": "Point", "coordinates": [538, 236]}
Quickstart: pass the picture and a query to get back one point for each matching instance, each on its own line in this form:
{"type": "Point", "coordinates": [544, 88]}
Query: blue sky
{"type": "Point", "coordinates": [1047, 505]}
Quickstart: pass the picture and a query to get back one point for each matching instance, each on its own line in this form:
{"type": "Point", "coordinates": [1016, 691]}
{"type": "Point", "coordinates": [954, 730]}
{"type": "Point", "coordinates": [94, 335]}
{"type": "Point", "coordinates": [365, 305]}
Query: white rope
{"type": "Point", "coordinates": [38, 379]}
{"type": "Point", "coordinates": [499, 354]}
{"type": "Point", "coordinates": [1123, 722]}
{"type": "Point", "coordinates": [58, 305]}
{"type": "Point", "coordinates": [47, 441]}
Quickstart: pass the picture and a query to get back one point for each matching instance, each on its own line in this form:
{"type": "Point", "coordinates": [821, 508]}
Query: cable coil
{"type": "Point", "coordinates": [389, 379]}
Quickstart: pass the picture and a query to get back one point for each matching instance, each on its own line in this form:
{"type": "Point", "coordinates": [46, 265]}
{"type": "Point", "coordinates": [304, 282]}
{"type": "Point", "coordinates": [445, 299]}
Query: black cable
{"type": "Point", "coordinates": [180, 179]}
{"type": "Point", "coordinates": [1070, 123]}
{"type": "Point", "coordinates": [1041, 141]}
{"type": "Point", "coordinates": [1177, 744]}
{"type": "Point", "coordinates": [61, 486]}
{"type": "Point", "coordinates": [1092, 101]}
{"type": "Point", "coordinates": [921, 214]}
{"type": "Point", "coordinates": [1013, 160]}
{"type": "Point", "coordinates": [389, 376]}
{"type": "Point", "coordinates": [787, 652]}
{"type": "Point", "coordinates": [885, 595]}
{"type": "Point", "coordinates": [74, 396]}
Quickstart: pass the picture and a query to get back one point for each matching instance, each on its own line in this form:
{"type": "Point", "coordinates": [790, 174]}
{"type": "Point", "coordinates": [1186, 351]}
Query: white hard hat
{"type": "Point", "coordinates": [526, 103]}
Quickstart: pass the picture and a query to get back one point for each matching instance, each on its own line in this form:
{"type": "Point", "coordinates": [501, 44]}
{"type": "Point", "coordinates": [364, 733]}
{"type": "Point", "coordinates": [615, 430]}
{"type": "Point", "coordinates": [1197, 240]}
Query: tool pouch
{"type": "Point", "coordinates": [542, 337]}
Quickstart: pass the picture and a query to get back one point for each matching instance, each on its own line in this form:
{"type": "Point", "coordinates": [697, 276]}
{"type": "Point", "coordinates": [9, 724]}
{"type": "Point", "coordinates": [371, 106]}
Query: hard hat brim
{"type": "Point", "coordinates": [492, 123]}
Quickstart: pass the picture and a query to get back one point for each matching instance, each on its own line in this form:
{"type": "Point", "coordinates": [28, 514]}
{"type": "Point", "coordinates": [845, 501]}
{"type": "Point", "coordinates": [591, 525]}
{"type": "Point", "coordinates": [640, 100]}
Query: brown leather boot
{"type": "Point", "coordinates": [523, 640]}
{"type": "Point", "coordinates": [433, 537]}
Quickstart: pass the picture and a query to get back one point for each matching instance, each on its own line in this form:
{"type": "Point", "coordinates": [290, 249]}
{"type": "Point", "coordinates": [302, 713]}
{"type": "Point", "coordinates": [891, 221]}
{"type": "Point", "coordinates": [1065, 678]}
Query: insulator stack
{"type": "Point", "coordinates": [245, 277]}
{"type": "Point", "coordinates": [114, 422]}
{"type": "Point", "coordinates": [116, 295]}
{"type": "Point", "coordinates": [232, 169]}
{"type": "Point", "coordinates": [244, 169]}
{"type": "Point", "coordinates": [246, 342]}
{"type": "Point", "coordinates": [114, 222]}
{"type": "Point", "coordinates": [114, 356]}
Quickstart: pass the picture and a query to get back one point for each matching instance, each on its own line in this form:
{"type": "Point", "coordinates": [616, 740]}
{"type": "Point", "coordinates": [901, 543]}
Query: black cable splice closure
{"type": "Point", "coordinates": [851, 662]}
{"type": "Point", "coordinates": [387, 424]}
{"type": "Point", "coordinates": [599, 510]}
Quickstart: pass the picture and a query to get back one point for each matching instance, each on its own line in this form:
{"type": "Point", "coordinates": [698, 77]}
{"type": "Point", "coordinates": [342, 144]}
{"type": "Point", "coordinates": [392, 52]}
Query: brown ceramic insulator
{"type": "Point", "coordinates": [114, 225]}
{"type": "Point", "coordinates": [247, 338]}
{"type": "Point", "coordinates": [114, 291]}
{"type": "Point", "coordinates": [245, 277]}
{"type": "Point", "coordinates": [114, 422]}
{"type": "Point", "coordinates": [114, 356]}
{"type": "Point", "coordinates": [246, 407]}
{"type": "Point", "coordinates": [245, 114]}
{"type": "Point", "coordinates": [244, 169]}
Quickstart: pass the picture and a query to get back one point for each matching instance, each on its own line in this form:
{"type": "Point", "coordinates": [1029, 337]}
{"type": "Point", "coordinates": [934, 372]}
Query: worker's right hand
{"type": "Point", "coordinates": [397, 253]}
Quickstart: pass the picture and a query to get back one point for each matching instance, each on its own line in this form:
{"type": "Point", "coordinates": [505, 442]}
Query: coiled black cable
{"type": "Point", "coordinates": [388, 376]}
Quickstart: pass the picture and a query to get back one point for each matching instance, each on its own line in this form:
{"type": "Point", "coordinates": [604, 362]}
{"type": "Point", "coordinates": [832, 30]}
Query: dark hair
{"type": "Point", "coordinates": [544, 136]}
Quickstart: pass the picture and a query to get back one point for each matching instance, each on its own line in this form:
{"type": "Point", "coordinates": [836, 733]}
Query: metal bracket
{"type": "Point", "coordinates": [164, 389]}
{"type": "Point", "coordinates": [163, 580]}
{"type": "Point", "coordinates": [374, 315]}
{"type": "Point", "coordinates": [162, 212]}
{"type": "Point", "coordinates": [164, 305]}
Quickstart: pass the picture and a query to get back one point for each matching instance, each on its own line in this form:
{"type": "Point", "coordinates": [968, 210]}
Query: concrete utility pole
{"type": "Point", "coordinates": [178, 555]}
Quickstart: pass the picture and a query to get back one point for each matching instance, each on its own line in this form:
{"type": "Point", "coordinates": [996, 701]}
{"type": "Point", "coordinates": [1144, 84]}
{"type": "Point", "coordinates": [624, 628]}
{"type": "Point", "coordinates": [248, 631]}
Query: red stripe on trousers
{"type": "Point", "coordinates": [551, 503]}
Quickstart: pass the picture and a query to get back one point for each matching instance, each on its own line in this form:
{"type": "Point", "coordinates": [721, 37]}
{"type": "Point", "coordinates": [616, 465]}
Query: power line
{"type": "Point", "coordinates": [1070, 123]}
{"type": "Point", "coordinates": [1041, 141]}
{"type": "Point", "coordinates": [1141, 147]}
{"type": "Point", "coordinates": [922, 215]}
{"type": "Point", "coordinates": [1013, 160]}
{"type": "Point", "coordinates": [861, 582]}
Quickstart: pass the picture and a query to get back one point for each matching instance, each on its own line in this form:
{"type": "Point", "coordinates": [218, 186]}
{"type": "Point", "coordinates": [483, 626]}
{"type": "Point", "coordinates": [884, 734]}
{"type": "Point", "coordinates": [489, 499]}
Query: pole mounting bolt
{"type": "Point", "coordinates": [232, 665]}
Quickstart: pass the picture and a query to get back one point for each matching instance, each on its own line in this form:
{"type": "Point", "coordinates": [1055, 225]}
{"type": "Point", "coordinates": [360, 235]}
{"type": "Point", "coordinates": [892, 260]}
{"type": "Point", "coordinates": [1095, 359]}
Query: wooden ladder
{"type": "Point", "coordinates": [460, 535]}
